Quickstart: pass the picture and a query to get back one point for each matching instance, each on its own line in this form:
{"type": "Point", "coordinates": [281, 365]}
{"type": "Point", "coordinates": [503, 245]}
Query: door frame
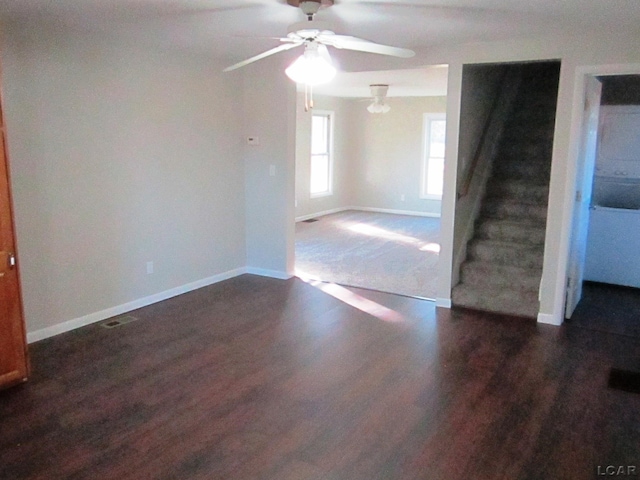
{"type": "Point", "coordinates": [584, 180]}
{"type": "Point", "coordinates": [22, 367]}
{"type": "Point", "coordinates": [576, 163]}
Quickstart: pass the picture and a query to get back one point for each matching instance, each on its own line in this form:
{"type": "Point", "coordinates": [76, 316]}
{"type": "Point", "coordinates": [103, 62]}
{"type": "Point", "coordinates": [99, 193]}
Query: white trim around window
{"type": "Point", "coordinates": [432, 165]}
{"type": "Point", "coordinates": [321, 158]}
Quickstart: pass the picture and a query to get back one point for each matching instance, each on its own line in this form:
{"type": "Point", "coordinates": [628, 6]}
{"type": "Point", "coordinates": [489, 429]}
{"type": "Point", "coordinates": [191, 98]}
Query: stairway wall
{"type": "Point", "coordinates": [471, 190]}
{"type": "Point", "coordinates": [503, 267]}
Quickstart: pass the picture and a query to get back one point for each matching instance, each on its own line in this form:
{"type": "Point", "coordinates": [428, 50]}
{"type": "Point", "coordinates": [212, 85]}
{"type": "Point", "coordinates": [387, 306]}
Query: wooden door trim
{"type": "Point", "coordinates": [19, 328]}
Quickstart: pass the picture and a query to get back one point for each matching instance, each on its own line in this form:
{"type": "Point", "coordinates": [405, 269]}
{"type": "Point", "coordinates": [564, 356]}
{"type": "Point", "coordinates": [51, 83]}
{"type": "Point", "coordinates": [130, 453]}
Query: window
{"type": "Point", "coordinates": [433, 164]}
{"type": "Point", "coordinates": [321, 161]}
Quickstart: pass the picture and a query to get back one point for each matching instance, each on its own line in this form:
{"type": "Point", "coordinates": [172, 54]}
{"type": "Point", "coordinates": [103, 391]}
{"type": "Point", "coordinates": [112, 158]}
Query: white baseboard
{"type": "Point", "coordinates": [397, 212]}
{"type": "Point", "coordinates": [443, 302]}
{"type": "Point", "coordinates": [321, 214]}
{"type": "Point", "coordinates": [127, 307]}
{"type": "Point", "coordinates": [368, 209]}
{"type": "Point", "coordinates": [268, 273]}
{"type": "Point", "coordinates": [549, 319]}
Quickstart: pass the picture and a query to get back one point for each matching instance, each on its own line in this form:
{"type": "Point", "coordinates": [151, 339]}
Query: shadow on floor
{"type": "Point", "coordinates": [609, 309]}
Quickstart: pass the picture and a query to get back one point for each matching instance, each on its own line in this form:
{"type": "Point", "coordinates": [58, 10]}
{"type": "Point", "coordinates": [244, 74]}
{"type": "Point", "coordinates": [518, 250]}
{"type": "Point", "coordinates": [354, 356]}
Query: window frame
{"type": "Point", "coordinates": [330, 115]}
{"type": "Point", "coordinates": [426, 150]}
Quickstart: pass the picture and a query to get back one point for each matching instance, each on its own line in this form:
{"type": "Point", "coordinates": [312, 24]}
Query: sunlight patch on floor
{"type": "Point", "coordinates": [370, 230]}
{"type": "Point", "coordinates": [431, 247]}
{"type": "Point", "coordinates": [353, 299]}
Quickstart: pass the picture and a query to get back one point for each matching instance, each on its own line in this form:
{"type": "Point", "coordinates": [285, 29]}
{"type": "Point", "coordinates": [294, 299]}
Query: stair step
{"type": "Point", "coordinates": [507, 209]}
{"type": "Point", "coordinates": [519, 191]}
{"type": "Point", "coordinates": [481, 273]}
{"type": "Point", "coordinates": [540, 151]}
{"type": "Point", "coordinates": [506, 253]}
{"type": "Point", "coordinates": [545, 99]}
{"type": "Point", "coordinates": [521, 231]}
{"type": "Point", "coordinates": [518, 302]}
{"type": "Point", "coordinates": [521, 169]}
{"type": "Point", "coordinates": [532, 116]}
{"type": "Point", "coordinates": [528, 133]}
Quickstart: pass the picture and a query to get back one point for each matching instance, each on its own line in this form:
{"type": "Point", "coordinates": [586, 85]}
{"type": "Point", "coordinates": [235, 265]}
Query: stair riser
{"type": "Point", "coordinates": [505, 302]}
{"type": "Point", "coordinates": [524, 193]}
{"type": "Point", "coordinates": [473, 277]}
{"type": "Point", "coordinates": [517, 257]}
{"type": "Point", "coordinates": [535, 171]}
{"type": "Point", "coordinates": [524, 133]}
{"type": "Point", "coordinates": [540, 151]}
{"type": "Point", "coordinates": [507, 210]}
{"type": "Point", "coordinates": [510, 232]}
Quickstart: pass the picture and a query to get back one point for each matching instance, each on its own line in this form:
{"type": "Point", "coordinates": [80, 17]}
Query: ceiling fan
{"type": "Point", "coordinates": [314, 66]}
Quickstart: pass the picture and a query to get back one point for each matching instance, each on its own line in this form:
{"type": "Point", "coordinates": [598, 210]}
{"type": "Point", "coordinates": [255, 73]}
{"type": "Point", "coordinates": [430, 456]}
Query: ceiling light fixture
{"type": "Point", "coordinates": [313, 67]}
{"type": "Point", "coordinates": [379, 92]}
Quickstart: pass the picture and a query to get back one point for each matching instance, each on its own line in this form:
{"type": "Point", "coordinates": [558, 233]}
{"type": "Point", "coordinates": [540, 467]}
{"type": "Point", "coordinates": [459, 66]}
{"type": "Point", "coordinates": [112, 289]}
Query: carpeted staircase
{"type": "Point", "coordinates": [503, 267]}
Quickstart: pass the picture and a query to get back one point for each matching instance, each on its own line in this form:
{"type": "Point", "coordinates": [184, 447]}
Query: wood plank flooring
{"type": "Point", "coordinates": [609, 309]}
{"type": "Point", "coordinates": [255, 378]}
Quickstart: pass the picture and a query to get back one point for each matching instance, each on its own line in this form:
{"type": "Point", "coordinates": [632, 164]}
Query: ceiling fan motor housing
{"type": "Point", "coordinates": [310, 7]}
{"type": "Point", "coordinates": [379, 90]}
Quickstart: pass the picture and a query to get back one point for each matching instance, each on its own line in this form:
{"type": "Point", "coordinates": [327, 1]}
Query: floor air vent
{"type": "Point", "coordinates": [311, 220]}
{"type": "Point", "coordinates": [625, 380]}
{"type": "Point", "coordinates": [119, 321]}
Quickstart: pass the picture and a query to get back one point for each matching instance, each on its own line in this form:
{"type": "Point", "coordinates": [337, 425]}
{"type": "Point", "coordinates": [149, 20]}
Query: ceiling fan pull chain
{"type": "Point", "coordinates": [308, 97]}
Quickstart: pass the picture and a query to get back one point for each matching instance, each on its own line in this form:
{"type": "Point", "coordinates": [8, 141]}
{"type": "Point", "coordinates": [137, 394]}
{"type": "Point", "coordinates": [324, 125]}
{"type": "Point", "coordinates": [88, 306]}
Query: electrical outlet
{"type": "Point", "coordinates": [402, 198]}
{"type": "Point", "coordinates": [149, 268]}
{"type": "Point", "coordinates": [272, 170]}
{"type": "Point", "coordinates": [253, 141]}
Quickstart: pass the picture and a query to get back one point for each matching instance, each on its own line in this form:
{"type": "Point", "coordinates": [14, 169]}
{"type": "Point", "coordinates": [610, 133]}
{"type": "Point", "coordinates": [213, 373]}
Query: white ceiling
{"type": "Point", "coordinates": [419, 82]}
{"type": "Point", "coordinates": [231, 29]}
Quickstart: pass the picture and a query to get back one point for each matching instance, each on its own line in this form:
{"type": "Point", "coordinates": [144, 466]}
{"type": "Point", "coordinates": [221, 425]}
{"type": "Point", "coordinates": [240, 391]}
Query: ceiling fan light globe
{"type": "Point", "coordinates": [311, 69]}
{"type": "Point", "coordinates": [377, 107]}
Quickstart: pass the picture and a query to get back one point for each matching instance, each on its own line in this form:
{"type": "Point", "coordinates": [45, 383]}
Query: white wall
{"type": "Point", "coordinates": [269, 113]}
{"type": "Point", "coordinates": [119, 156]}
{"type": "Point", "coordinates": [480, 86]}
{"type": "Point", "coordinates": [377, 157]}
{"type": "Point", "coordinates": [388, 151]}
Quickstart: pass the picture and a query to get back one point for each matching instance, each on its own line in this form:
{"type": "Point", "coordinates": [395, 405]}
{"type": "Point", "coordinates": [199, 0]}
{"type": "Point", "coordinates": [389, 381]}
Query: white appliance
{"type": "Point", "coordinates": [617, 174]}
{"type": "Point", "coordinates": [613, 246]}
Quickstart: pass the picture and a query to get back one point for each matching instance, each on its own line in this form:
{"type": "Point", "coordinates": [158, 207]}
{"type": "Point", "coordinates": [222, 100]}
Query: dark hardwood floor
{"type": "Point", "coordinates": [609, 309]}
{"type": "Point", "coordinates": [255, 378]}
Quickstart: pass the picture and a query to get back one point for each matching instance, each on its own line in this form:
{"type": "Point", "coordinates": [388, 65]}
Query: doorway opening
{"type": "Point", "coordinates": [605, 255]}
{"type": "Point", "coordinates": [507, 124]}
{"type": "Point", "coordinates": [369, 174]}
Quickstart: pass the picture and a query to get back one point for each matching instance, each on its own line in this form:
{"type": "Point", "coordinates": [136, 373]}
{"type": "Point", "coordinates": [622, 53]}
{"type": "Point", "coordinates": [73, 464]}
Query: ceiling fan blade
{"type": "Point", "coordinates": [323, 51]}
{"type": "Point", "coordinates": [273, 51]}
{"type": "Point", "coordinates": [354, 43]}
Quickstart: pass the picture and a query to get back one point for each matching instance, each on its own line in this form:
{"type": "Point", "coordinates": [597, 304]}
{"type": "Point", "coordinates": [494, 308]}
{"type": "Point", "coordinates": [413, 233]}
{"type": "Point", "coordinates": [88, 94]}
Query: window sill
{"type": "Point", "coordinates": [320, 195]}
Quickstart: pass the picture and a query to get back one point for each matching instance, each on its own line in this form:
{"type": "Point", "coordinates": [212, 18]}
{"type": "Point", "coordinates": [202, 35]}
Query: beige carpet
{"type": "Point", "coordinates": [380, 251]}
